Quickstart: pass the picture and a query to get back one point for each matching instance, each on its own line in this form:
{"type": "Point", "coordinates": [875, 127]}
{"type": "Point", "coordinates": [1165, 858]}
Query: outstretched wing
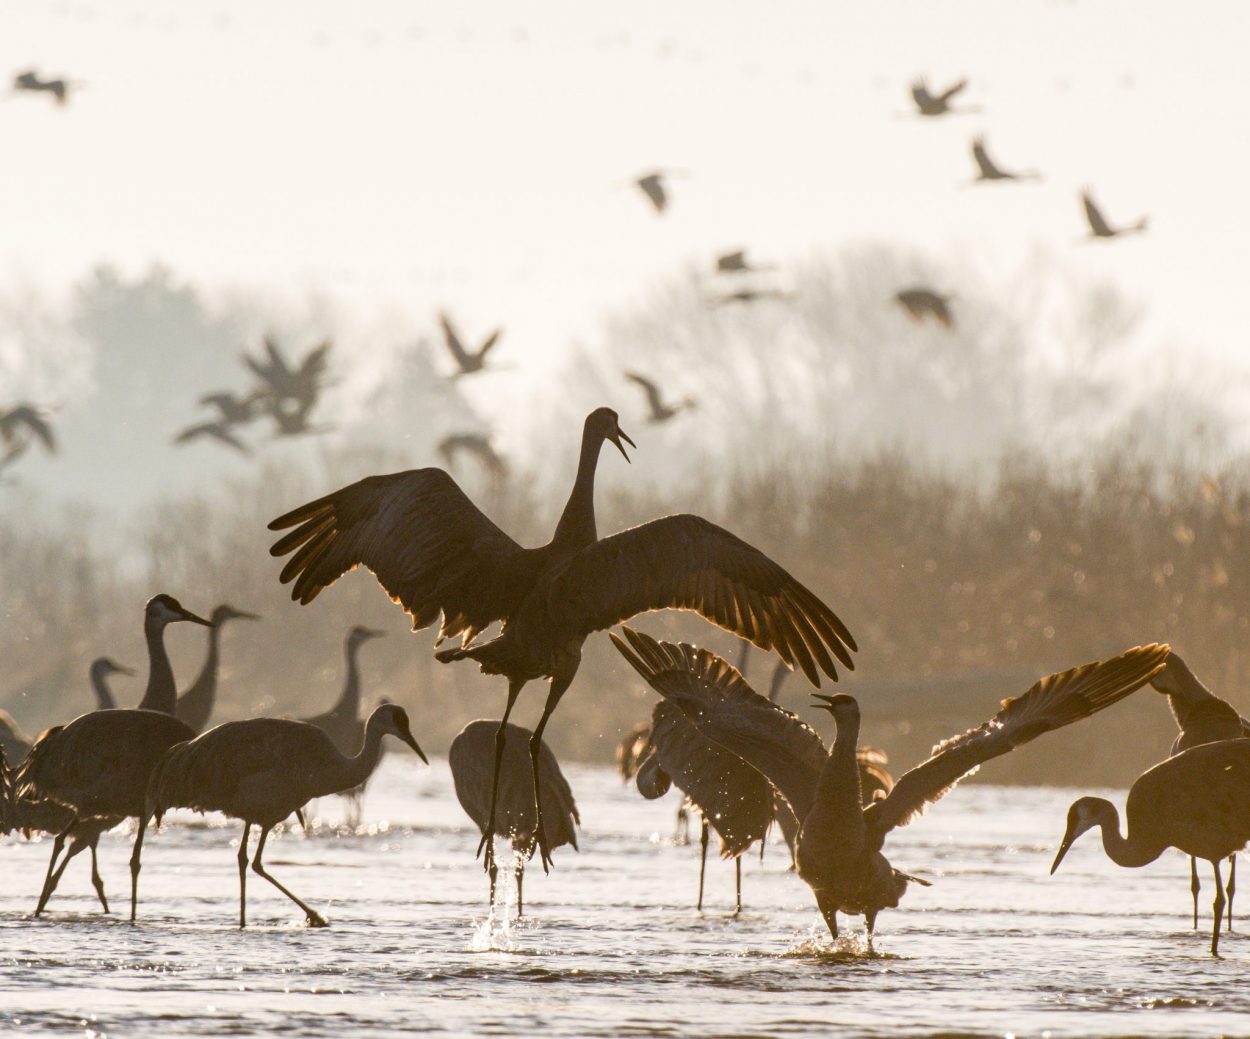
{"type": "Point", "coordinates": [685, 562]}
{"type": "Point", "coordinates": [1097, 223]}
{"type": "Point", "coordinates": [717, 700]}
{"type": "Point", "coordinates": [650, 389]}
{"type": "Point", "coordinates": [983, 160]}
{"type": "Point", "coordinates": [488, 343]}
{"type": "Point", "coordinates": [952, 90]}
{"type": "Point", "coordinates": [452, 340]}
{"type": "Point", "coordinates": [429, 546]}
{"type": "Point", "coordinates": [652, 186]}
{"type": "Point", "coordinates": [25, 415]}
{"type": "Point", "coordinates": [1054, 702]}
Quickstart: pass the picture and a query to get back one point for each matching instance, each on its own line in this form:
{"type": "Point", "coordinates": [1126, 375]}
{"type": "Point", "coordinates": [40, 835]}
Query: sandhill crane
{"type": "Point", "coordinates": [1098, 226]}
{"type": "Point", "coordinates": [20, 426]}
{"type": "Point", "coordinates": [936, 104]}
{"type": "Point", "coordinates": [435, 552]}
{"type": "Point", "coordinates": [98, 764]}
{"type": "Point", "coordinates": [987, 170]}
{"type": "Point", "coordinates": [661, 410]}
{"type": "Point", "coordinates": [466, 362]}
{"type": "Point", "coordinates": [736, 262]}
{"type": "Point", "coordinates": [1201, 717]}
{"type": "Point", "coordinates": [288, 393]}
{"type": "Point", "coordinates": [30, 815]}
{"type": "Point", "coordinates": [217, 430]}
{"type": "Point", "coordinates": [195, 706]}
{"type": "Point", "coordinates": [479, 446]}
{"type": "Point", "coordinates": [752, 295]}
{"type": "Point", "coordinates": [922, 303]}
{"type": "Point", "coordinates": [840, 839]}
{"type": "Point", "coordinates": [233, 409]}
{"type": "Point", "coordinates": [1197, 801]}
{"type": "Point", "coordinates": [261, 770]}
{"type": "Point", "coordinates": [652, 185]}
{"type": "Point", "coordinates": [99, 671]}
{"type": "Point", "coordinates": [471, 757]}
{"type": "Point", "coordinates": [342, 722]}
{"type": "Point", "coordinates": [31, 82]}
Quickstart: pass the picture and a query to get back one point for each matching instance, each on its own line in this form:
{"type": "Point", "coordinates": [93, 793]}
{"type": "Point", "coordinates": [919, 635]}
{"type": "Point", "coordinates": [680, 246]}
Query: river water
{"type": "Point", "coordinates": [611, 944]}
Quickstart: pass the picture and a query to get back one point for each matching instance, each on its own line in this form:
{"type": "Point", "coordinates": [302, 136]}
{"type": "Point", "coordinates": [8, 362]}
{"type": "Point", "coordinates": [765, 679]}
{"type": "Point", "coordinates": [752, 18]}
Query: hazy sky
{"type": "Point", "coordinates": [474, 155]}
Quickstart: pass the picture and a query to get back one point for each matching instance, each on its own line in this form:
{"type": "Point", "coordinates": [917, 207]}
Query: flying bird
{"type": "Point", "coordinates": [477, 445]}
{"type": "Point", "coordinates": [922, 303]}
{"type": "Point", "coordinates": [467, 362]}
{"type": "Point", "coordinates": [30, 82]}
{"type": "Point", "coordinates": [1201, 717]}
{"type": "Point", "coordinates": [987, 170]}
{"type": "Point", "coordinates": [840, 839]}
{"type": "Point", "coordinates": [262, 770]}
{"type": "Point", "coordinates": [20, 426]}
{"type": "Point", "coordinates": [1098, 226]}
{"type": "Point", "coordinates": [936, 104]}
{"type": "Point", "coordinates": [752, 295]}
{"type": "Point", "coordinates": [652, 185]}
{"type": "Point", "coordinates": [736, 262]}
{"type": "Point", "coordinates": [471, 758]}
{"type": "Point", "coordinates": [1197, 801]}
{"type": "Point", "coordinates": [435, 552]}
{"type": "Point", "coordinates": [661, 410]}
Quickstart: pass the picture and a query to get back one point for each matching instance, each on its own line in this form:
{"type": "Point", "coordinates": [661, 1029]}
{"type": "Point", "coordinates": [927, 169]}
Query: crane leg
{"type": "Point", "coordinates": [738, 880]}
{"type": "Point", "coordinates": [1231, 886]}
{"type": "Point", "coordinates": [1218, 908]}
{"type": "Point", "coordinates": [681, 832]}
{"type": "Point", "coordinates": [493, 873]}
{"type": "Point", "coordinates": [501, 738]}
{"type": "Point", "coordinates": [315, 919]}
{"type": "Point", "coordinates": [49, 885]}
{"type": "Point", "coordinates": [559, 686]}
{"type": "Point", "coordinates": [1194, 886]}
{"type": "Point", "coordinates": [520, 875]}
{"type": "Point", "coordinates": [135, 866]}
{"type": "Point", "coordinates": [247, 828]}
{"type": "Point", "coordinates": [76, 847]}
{"type": "Point", "coordinates": [702, 859]}
{"type": "Point", "coordinates": [96, 881]}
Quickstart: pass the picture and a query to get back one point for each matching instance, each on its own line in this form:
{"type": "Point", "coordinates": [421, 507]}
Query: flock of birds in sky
{"type": "Point", "coordinates": [741, 761]}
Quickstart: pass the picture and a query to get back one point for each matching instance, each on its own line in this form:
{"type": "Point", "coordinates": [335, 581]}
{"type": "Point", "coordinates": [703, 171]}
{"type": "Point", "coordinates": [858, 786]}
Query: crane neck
{"type": "Point", "coordinates": [353, 770]}
{"type": "Point", "coordinates": [1128, 851]}
{"type": "Point", "coordinates": [349, 700]}
{"type": "Point", "coordinates": [103, 696]}
{"type": "Point", "coordinates": [195, 706]}
{"type": "Point", "coordinates": [161, 693]}
{"type": "Point", "coordinates": [834, 828]}
{"type": "Point", "coordinates": [576, 528]}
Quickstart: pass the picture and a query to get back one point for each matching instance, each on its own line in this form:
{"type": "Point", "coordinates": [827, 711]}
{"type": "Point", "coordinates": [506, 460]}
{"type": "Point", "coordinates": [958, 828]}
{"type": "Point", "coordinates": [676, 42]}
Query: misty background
{"type": "Point", "coordinates": [1059, 476]}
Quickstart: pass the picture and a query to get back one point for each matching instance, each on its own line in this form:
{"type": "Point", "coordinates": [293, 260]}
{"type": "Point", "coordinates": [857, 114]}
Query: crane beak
{"type": "Point", "coordinates": [245, 615]}
{"type": "Point", "coordinates": [622, 435]}
{"type": "Point", "coordinates": [374, 633]}
{"type": "Point", "coordinates": [1068, 839]}
{"type": "Point", "coordinates": [187, 615]}
{"type": "Point", "coordinates": [122, 670]}
{"type": "Point", "coordinates": [407, 738]}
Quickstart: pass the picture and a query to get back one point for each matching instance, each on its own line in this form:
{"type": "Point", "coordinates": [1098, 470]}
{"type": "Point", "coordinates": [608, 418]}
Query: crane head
{"type": "Point", "coordinates": [360, 634]}
{"type": "Point", "coordinates": [1085, 814]}
{"type": "Point", "coordinates": [394, 720]}
{"type": "Point", "coordinates": [606, 424]}
{"type": "Point", "coordinates": [164, 609]}
{"type": "Point", "coordinates": [839, 705]}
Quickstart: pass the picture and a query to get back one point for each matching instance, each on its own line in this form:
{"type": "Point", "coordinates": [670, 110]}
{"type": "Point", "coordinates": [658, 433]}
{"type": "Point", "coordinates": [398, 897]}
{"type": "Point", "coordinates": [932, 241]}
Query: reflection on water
{"type": "Point", "coordinates": [611, 944]}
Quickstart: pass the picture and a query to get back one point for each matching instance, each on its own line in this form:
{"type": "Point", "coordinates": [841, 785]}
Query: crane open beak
{"type": "Point", "coordinates": [622, 435]}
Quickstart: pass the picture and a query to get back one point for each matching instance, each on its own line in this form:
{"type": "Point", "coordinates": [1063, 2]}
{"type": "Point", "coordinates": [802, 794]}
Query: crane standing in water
{"type": "Point", "coordinates": [1197, 801]}
{"type": "Point", "coordinates": [471, 756]}
{"type": "Point", "coordinates": [435, 552]}
{"type": "Point", "coordinates": [840, 839]}
{"type": "Point", "coordinates": [98, 765]}
{"type": "Point", "coordinates": [261, 770]}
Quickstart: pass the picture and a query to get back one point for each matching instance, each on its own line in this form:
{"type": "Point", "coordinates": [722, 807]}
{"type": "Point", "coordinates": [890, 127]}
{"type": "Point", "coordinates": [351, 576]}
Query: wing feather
{"type": "Point", "coordinates": [717, 700]}
{"type": "Point", "coordinates": [428, 545]}
{"type": "Point", "coordinates": [686, 562]}
{"type": "Point", "coordinates": [1052, 703]}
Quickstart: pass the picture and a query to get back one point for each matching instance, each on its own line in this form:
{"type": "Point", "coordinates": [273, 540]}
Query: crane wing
{"type": "Point", "coordinates": [719, 703]}
{"type": "Point", "coordinates": [488, 343]}
{"type": "Point", "coordinates": [650, 389]}
{"type": "Point", "coordinates": [27, 416]}
{"type": "Point", "coordinates": [653, 187]}
{"type": "Point", "coordinates": [731, 795]}
{"type": "Point", "coordinates": [1097, 223]}
{"type": "Point", "coordinates": [983, 160]}
{"type": "Point", "coordinates": [685, 562]}
{"type": "Point", "coordinates": [952, 90]}
{"type": "Point", "coordinates": [430, 547]}
{"type": "Point", "coordinates": [1052, 703]}
{"type": "Point", "coordinates": [453, 341]}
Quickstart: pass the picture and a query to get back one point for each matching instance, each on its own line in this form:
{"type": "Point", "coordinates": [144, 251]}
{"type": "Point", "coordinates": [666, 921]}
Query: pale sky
{"type": "Point", "coordinates": [416, 156]}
